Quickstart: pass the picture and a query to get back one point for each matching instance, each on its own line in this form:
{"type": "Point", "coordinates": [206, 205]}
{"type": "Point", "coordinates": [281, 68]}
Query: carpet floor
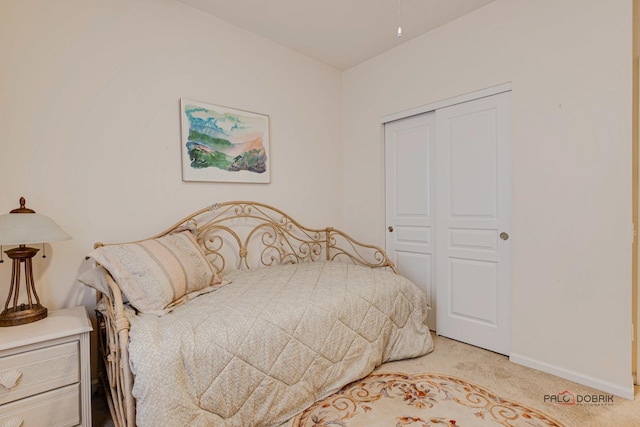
{"type": "Point", "coordinates": [538, 390]}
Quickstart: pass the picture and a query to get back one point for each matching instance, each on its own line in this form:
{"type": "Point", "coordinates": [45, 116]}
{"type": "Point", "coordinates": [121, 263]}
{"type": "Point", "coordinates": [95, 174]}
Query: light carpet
{"type": "Point", "coordinates": [421, 400]}
{"type": "Point", "coordinates": [518, 383]}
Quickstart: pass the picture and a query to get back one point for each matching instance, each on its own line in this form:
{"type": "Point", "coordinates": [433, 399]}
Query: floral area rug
{"type": "Point", "coordinates": [418, 400]}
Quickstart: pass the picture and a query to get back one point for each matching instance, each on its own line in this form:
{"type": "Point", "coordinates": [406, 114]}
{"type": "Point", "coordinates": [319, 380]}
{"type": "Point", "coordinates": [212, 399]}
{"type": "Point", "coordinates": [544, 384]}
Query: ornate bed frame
{"type": "Point", "coordinates": [233, 235]}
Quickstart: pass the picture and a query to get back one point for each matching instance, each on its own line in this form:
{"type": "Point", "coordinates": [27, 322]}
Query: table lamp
{"type": "Point", "coordinates": [23, 226]}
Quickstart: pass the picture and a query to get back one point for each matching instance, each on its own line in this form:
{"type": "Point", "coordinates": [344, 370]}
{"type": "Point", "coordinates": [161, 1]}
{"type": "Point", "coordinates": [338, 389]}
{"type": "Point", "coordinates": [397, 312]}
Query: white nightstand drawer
{"type": "Point", "coordinates": [50, 358]}
{"type": "Point", "coordinates": [37, 371]}
{"type": "Point", "coordinates": [60, 408]}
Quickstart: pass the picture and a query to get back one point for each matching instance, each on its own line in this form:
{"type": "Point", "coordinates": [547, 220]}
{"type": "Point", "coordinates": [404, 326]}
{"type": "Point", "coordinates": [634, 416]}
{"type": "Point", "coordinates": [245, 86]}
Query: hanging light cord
{"type": "Point", "coordinates": [399, 24]}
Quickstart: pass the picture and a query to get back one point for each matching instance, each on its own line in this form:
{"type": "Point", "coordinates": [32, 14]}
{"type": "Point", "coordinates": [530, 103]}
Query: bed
{"type": "Point", "coordinates": [255, 318]}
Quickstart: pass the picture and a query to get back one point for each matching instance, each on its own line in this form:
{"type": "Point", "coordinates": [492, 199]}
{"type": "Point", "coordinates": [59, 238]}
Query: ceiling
{"type": "Point", "coordinates": [340, 33]}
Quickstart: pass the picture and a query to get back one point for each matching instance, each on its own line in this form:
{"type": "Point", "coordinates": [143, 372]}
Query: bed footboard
{"type": "Point", "coordinates": [233, 235]}
{"type": "Point", "coordinates": [344, 248]}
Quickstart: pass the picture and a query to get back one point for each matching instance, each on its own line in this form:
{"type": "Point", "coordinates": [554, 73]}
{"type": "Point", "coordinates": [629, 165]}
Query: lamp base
{"type": "Point", "coordinates": [22, 314]}
{"type": "Point", "coordinates": [19, 314]}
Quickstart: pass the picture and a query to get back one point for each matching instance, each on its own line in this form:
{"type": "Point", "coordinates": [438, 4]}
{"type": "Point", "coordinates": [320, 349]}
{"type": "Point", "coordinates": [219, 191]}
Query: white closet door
{"type": "Point", "coordinates": [473, 211]}
{"type": "Point", "coordinates": [409, 151]}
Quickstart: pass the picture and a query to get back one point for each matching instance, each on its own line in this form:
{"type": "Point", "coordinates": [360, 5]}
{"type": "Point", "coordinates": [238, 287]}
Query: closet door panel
{"type": "Point", "coordinates": [409, 153]}
{"type": "Point", "coordinates": [473, 210]}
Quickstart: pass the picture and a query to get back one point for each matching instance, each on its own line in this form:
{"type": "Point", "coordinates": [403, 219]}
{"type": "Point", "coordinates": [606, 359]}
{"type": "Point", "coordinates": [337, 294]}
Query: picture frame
{"type": "Point", "coordinates": [223, 144]}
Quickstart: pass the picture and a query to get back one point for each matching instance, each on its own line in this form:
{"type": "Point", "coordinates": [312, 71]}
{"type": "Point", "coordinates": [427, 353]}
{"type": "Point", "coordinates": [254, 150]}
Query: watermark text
{"type": "Point", "coordinates": [567, 398]}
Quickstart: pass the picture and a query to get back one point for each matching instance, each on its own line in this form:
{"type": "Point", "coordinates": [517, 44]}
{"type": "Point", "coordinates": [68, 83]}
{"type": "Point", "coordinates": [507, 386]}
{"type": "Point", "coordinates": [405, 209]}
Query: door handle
{"type": "Point", "coordinates": [390, 229]}
{"type": "Point", "coordinates": [504, 236]}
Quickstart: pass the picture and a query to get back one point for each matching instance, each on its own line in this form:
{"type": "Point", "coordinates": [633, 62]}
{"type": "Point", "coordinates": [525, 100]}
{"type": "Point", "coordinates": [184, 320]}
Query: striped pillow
{"type": "Point", "coordinates": [157, 275]}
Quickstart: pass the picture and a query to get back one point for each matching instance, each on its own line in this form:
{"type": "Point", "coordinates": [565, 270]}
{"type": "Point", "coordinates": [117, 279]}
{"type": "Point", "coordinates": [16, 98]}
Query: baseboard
{"type": "Point", "coordinates": [607, 387]}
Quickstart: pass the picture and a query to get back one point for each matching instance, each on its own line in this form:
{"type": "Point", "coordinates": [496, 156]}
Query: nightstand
{"type": "Point", "coordinates": [45, 372]}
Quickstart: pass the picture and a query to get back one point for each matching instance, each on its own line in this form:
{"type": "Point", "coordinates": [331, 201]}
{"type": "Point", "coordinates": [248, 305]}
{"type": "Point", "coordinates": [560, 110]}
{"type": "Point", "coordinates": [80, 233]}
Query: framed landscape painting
{"type": "Point", "coordinates": [221, 144]}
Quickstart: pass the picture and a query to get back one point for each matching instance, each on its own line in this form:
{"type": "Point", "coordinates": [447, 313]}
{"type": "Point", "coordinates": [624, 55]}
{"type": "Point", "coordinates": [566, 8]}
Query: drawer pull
{"type": "Point", "coordinates": [9, 380]}
{"type": "Point", "coordinates": [13, 422]}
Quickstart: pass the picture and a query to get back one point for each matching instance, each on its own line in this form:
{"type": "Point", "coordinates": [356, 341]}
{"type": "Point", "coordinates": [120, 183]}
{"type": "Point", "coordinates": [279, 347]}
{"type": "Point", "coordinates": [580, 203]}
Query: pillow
{"type": "Point", "coordinates": [157, 275]}
{"type": "Point", "coordinates": [96, 279]}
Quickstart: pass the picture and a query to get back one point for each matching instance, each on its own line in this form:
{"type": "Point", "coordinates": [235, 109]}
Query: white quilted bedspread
{"type": "Point", "coordinates": [265, 347]}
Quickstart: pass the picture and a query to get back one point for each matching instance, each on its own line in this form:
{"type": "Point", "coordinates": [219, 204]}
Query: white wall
{"type": "Point", "coordinates": [90, 131]}
{"type": "Point", "coordinates": [570, 66]}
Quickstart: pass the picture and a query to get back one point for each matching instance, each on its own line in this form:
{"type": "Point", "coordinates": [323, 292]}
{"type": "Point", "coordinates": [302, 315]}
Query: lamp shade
{"type": "Point", "coordinates": [21, 228]}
